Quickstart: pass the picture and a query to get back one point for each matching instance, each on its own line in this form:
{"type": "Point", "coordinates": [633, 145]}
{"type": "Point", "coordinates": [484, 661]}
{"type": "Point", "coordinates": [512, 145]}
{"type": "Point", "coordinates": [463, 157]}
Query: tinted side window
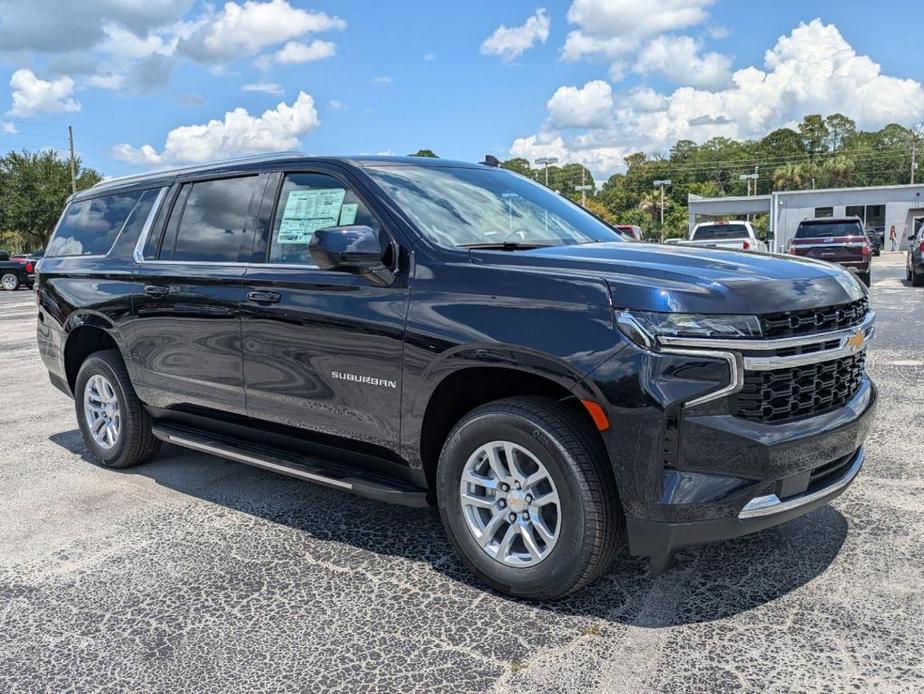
{"type": "Point", "coordinates": [308, 202]}
{"type": "Point", "coordinates": [721, 231]}
{"type": "Point", "coordinates": [214, 219]}
{"type": "Point", "coordinates": [90, 227]}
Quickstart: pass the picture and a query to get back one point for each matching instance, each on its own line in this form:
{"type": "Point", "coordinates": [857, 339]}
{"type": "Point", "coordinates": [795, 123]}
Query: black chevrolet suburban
{"type": "Point", "coordinates": [429, 332]}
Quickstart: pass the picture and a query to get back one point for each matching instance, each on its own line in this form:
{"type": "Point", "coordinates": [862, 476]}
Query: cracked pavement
{"type": "Point", "coordinates": [196, 573]}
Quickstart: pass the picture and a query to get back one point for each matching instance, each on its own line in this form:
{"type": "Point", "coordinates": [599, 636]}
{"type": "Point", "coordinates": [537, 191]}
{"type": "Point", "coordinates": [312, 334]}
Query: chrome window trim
{"type": "Point", "coordinates": [138, 252]}
{"type": "Point", "coordinates": [771, 504]}
{"type": "Point", "coordinates": [735, 373]}
{"type": "Point", "coordinates": [768, 345]}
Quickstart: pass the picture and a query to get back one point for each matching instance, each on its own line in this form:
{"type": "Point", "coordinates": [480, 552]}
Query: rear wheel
{"type": "Point", "coordinates": [9, 281]}
{"type": "Point", "coordinates": [115, 426]}
{"type": "Point", "coordinates": [527, 498]}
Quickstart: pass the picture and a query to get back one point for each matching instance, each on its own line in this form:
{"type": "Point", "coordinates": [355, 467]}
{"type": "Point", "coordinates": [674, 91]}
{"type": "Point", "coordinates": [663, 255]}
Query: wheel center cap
{"type": "Point", "coordinates": [516, 501]}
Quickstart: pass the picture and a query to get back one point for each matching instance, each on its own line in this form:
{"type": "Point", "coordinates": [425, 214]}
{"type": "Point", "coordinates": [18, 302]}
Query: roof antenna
{"type": "Point", "coordinates": [491, 161]}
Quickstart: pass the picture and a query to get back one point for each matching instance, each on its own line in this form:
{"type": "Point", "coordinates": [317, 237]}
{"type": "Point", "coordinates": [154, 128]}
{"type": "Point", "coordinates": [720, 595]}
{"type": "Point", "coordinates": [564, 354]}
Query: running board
{"type": "Point", "coordinates": [334, 475]}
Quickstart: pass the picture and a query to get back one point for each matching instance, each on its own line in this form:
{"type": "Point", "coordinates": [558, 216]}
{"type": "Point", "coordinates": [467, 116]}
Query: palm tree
{"type": "Point", "coordinates": [840, 171]}
{"type": "Point", "coordinates": [788, 177]}
{"type": "Point", "coordinates": [651, 204]}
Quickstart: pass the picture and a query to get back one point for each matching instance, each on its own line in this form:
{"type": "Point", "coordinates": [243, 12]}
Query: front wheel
{"type": "Point", "coordinates": [527, 498]}
{"type": "Point", "coordinates": [9, 281]}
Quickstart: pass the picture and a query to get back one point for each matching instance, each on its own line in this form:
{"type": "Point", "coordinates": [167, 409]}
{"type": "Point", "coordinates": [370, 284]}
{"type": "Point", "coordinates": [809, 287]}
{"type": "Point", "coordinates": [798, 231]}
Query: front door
{"type": "Point", "coordinates": [322, 349]}
{"type": "Point", "coordinates": [186, 332]}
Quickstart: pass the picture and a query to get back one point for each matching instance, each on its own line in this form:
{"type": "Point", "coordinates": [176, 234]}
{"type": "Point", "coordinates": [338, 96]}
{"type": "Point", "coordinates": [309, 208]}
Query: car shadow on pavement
{"type": "Point", "coordinates": [707, 583]}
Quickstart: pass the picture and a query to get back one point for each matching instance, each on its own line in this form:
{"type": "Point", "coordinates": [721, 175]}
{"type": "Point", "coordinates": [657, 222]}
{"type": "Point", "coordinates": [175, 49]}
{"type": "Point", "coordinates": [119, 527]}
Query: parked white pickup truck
{"type": "Point", "coordinates": [736, 235]}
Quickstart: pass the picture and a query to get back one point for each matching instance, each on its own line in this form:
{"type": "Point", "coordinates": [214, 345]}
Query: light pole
{"type": "Point", "coordinates": [583, 187]}
{"type": "Point", "coordinates": [544, 162]}
{"type": "Point", "coordinates": [661, 184]}
{"type": "Point", "coordinates": [749, 178]}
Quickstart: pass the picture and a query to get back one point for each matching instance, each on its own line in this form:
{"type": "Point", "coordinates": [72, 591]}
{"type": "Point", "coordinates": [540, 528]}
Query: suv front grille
{"type": "Point", "coordinates": [817, 320]}
{"type": "Point", "coordinates": [785, 395]}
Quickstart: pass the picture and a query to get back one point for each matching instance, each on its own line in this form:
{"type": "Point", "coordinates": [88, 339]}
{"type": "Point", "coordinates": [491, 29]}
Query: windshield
{"type": "Point", "coordinates": [473, 207]}
{"type": "Point", "coordinates": [814, 230]}
{"type": "Point", "coordinates": [720, 231]}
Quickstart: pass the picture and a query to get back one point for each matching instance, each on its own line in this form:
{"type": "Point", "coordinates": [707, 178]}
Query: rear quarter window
{"type": "Point", "coordinates": [817, 230]}
{"type": "Point", "coordinates": [90, 227]}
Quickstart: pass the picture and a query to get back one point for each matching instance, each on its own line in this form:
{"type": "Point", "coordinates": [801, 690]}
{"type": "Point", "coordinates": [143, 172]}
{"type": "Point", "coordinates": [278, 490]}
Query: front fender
{"type": "Point", "coordinates": [481, 355]}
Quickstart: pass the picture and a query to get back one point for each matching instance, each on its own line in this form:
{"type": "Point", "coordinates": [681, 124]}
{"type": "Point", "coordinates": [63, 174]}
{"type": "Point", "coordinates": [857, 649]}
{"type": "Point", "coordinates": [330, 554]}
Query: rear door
{"type": "Point", "coordinates": [186, 338]}
{"type": "Point", "coordinates": [322, 348]}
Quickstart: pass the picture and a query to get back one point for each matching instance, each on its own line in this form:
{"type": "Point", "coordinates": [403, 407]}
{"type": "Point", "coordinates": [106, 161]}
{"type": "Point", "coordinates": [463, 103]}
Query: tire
{"type": "Point", "coordinates": [917, 280]}
{"type": "Point", "coordinates": [134, 443]}
{"type": "Point", "coordinates": [864, 277]}
{"type": "Point", "coordinates": [590, 525]}
{"type": "Point", "coordinates": [9, 281]}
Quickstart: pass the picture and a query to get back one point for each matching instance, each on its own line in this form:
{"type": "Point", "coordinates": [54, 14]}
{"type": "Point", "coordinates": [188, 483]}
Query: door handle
{"type": "Point", "coordinates": [156, 291]}
{"type": "Point", "coordinates": [264, 297]}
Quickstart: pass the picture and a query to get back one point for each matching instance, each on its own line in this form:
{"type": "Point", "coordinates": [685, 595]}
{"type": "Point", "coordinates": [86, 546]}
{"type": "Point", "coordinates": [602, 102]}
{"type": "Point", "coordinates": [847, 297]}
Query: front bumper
{"type": "Point", "coordinates": [654, 538]}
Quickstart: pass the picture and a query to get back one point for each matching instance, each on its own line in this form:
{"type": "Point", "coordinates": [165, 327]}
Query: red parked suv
{"type": "Point", "coordinates": [840, 240]}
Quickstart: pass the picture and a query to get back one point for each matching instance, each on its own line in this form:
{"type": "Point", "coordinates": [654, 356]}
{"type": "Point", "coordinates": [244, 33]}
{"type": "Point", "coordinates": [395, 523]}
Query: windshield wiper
{"type": "Point", "coordinates": [506, 246]}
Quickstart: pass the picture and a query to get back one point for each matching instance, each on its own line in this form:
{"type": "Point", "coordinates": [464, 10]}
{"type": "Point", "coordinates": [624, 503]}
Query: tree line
{"type": "Point", "coordinates": [34, 186]}
{"type": "Point", "coordinates": [821, 152]}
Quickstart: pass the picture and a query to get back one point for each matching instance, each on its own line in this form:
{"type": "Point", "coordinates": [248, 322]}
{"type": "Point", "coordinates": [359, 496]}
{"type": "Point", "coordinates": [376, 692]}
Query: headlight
{"type": "Point", "coordinates": [643, 326]}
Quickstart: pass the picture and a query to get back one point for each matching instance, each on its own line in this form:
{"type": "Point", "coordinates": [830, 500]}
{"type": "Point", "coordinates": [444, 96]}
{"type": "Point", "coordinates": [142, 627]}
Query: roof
{"type": "Point", "coordinates": [897, 186]}
{"type": "Point", "coordinates": [263, 161]}
{"type": "Point", "coordinates": [831, 220]}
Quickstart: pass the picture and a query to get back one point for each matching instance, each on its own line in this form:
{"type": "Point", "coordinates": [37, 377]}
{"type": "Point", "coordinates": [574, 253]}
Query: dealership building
{"type": "Point", "coordinates": [878, 206]}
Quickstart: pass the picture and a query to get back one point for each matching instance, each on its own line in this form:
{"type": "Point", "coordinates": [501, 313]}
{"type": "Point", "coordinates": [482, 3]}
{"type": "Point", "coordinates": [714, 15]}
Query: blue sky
{"type": "Point", "coordinates": [584, 80]}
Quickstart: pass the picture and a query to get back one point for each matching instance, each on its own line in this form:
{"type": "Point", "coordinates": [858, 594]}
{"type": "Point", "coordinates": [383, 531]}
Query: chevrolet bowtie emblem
{"type": "Point", "coordinates": [856, 341]}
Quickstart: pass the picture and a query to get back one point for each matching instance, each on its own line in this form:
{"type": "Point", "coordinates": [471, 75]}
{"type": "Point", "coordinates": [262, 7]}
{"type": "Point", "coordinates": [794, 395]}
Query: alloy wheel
{"type": "Point", "coordinates": [510, 504]}
{"type": "Point", "coordinates": [101, 411]}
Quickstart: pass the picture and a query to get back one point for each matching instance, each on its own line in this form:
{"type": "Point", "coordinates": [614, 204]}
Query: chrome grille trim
{"type": "Point", "coordinates": [768, 345]}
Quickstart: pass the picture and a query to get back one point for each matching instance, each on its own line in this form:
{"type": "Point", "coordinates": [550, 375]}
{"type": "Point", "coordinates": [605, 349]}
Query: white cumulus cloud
{"type": "Point", "coordinates": [246, 29]}
{"type": "Point", "coordinates": [32, 95]}
{"type": "Point", "coordinates": [296, 52]}
{"type": "Point", "coordinates": [587, 107]}
{"type": "Point", "coordinates": [237, 133]}
{"type": "Point", "coordinates": [614, 28]}
{"type": "Point", "coordinates": [511, 42]}
{"type": "Point", "coordinates": [813, 69]}
{"type": "Point", "coordinates": [679, 59]}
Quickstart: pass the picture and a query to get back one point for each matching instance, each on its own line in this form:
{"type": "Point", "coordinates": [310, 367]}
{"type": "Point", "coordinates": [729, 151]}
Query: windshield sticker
{"type": "Point", "coordinates": [348, 214]}
{"type": "Point", "coordinates": [306, 211]}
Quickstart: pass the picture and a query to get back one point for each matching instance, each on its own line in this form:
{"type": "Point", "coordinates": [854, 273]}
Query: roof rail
{"type": "Point", "coordinates": [251, 159]}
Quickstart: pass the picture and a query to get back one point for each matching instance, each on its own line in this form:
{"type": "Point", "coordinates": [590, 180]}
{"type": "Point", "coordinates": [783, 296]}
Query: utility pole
{"type": "Point", "coordinates": [70, 138]}
{"type": "Point", "coordinates": [914, 153]}
{"type": "Point", "coordinates": [749, 178]}
{"type": "Point", "coordinates": [583, 188]}
{"type": "Point", "coordinates": [544, 162]}
{"type": "Point", "coordinates": [661, 184]}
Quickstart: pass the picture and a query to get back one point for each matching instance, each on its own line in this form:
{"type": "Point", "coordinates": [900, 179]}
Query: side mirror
{"type": "Point", "coordinates": [357, 248]}
{"type": "Point", "coordinates": [912, 237]}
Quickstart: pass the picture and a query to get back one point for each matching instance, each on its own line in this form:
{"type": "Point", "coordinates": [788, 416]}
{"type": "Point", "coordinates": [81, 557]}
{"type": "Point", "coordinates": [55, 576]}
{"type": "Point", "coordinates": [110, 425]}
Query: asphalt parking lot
{"type": "Point", "coordinates": [198, 574]}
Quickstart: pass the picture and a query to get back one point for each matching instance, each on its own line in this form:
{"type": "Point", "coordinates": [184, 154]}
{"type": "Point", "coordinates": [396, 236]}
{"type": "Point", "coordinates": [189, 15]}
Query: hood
{"type": "Point", "coordinates": [685, 279]}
